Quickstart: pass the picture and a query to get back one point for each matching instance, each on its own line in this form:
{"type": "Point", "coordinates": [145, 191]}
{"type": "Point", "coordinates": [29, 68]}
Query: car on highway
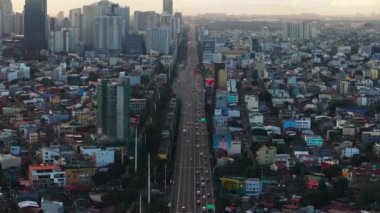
{"type": "Point", "coordinates": [204, 208]}
{"type": "Point", "coordinates": [198, 192]}
{"type": "Point", "coordinates": [183, 208]}
{"type": "Point", "coordinates": [203, 184]}
{"type": "Point", "coordinates": [184, 131]}
{"type": "Point", "coordinates": [197, 183]}
{"type": "Point", "coordinates": [202, 178]}
{"type": "Point", "coordinates": [197, 145]}
{"type": "Point", "coordinates": [198, 202]}
{"type": "Point", "coordinates": [206, 171]}
{"type": "Point", "coordinates": [208, 194]}
{"type": "Point", "coordinates": [207, 179]}
{"type": "Point", "coordinates": [201, 153]}
{"type": "Point", "coordinates": [187, 141]}
{"type": "Point", "coordinates": [197, 171]}
{"type": "Point", "coordinates": [191, 159]}
{"type": "Point", "coordinates": [204, 196]}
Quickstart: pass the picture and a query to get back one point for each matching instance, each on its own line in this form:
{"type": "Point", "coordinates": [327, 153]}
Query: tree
{"type": "Point", "coordinates": [331, 171]}
{"type": "Point", "coordinates": [339, 187]}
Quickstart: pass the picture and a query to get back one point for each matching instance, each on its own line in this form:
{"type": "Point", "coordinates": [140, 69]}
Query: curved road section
{"type": "Point", "coordinates": [192, 191]}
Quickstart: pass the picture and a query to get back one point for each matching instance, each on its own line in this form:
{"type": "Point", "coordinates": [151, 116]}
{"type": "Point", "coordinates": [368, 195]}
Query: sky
{"type": "Point", "coordinates": [232, 7]}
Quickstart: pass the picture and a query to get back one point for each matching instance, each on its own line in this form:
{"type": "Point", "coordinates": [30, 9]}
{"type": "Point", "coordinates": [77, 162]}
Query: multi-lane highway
{"type": "Point", "coordinates": [192, 187]}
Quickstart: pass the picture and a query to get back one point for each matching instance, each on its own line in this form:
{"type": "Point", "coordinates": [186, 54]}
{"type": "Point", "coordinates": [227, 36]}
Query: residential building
{"type": "Point", "coordinates": [297, 30]}
{"type": "Point", "coordinates": [45, 176]}
{"type": "Point", "coordinates": [344, 87]}
{"type": "Point", "coordinates": [79, 173]}
{"type": "Point", "coordinates": [6, 9]}
{"type": "Point", "coordinates": [313, 140]}
{"type": "Point", "coordinates": [113, 112]}
{"type": "Point", "coordinates": [266, 155]}
{"type": "Point", "coordinates": [253, 187]}
{"type": "Point", "coordinates": [109, 30]}
{"type": "Point", "coordinates": [158, 39]}
{"type": "Point", "coordinates": [137, 105]}
{"type": "Point", "coordinates": [35, 25]}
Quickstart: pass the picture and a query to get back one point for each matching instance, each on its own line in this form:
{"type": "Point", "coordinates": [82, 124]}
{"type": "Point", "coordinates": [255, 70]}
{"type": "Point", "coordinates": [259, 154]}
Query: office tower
{"type": "Point", "coordinates": [168, 7]}
{"type": "Point", "coordinates": [6, 9]}
{"type": "Point", "coordinates": [108, 33]}
{"type": "Point", "coordinates": [113, 116]}
{"type": "Point", "coordinates": [52, 24]}
{"type": "Point", "coordinates": [297, 30]}
{"type": "Point", "coordinates": [145, 20]}
{"type": "Point", "coordinates": [17, 23]}
{"type": "Point", "coordinates": [158, 39]}
{"type": "Point", "coordinates": [135, 45]}
{"type": "Point", "coordinates": [35, 25]}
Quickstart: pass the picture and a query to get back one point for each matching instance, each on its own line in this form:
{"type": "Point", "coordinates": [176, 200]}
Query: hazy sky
{"type": "Point", "coordinates": [236, 7]}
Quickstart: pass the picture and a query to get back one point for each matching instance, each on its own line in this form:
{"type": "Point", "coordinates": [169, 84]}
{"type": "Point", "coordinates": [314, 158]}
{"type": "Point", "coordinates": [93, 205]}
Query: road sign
{"type": "Point", "coordinates": [203, 120]}
{"type": "Point", "coordinates": [210, 206]}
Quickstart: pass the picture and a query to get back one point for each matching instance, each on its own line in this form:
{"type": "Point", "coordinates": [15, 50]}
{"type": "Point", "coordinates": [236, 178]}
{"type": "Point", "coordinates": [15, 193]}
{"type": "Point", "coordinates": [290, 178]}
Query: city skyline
{"type": "Point", "coordinates": [237, 7]}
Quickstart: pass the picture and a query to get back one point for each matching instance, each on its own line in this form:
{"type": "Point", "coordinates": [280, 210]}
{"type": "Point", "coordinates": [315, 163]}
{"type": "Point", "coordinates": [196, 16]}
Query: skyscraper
{"type": "Point", "coordinates": [113, 116]}
{"type": "Point", "coordinates": [145, 20]}
{"type": "Point", "coordinates": [102, 8]}
{"type": "Point", "coordinates": [168, 7]}
{"type": "Point", "coordinates": [35, 25]}
{"type": "Point", "coordinates": [6, 9]}
{"type": "Point", "coordinates": [158, 39]}
{"type": "Point", "coordinates": [109, 30]}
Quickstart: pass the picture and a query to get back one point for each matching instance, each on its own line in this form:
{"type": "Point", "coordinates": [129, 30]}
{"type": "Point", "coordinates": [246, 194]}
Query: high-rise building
{"type": "Point", "coordinates": [135, 45]}
{"type": "Point", "coordinates": [297, 30]}
{"type": "Point", "coordinates": [35, 25]}
{"type": "Point", "coordinates": [76, 19]}
{"type": "Point", "coordinates": [6, 9]}
{"type": "Point", "coordinates": [99, 9]}
{"type": "Point", "coordinates": [109, 30]}
{"type": "Point", "coordinates": [145, 20]}
{"type": "Point", "coordinates": [17, 23]}
{"type": "Point", "coordinates": [168, 7]}
{"type": "Point", "coordinates": [176, 27]}
{"type": "Point", "coordinates": [158, 39]}
{"type": "Point", "coordinates": [113, 111]}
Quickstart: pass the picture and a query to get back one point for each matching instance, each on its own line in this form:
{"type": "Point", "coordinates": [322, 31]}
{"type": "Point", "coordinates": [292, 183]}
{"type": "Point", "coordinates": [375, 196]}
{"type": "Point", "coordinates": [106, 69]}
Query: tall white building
{"type": "Point", "coordinates": [176, 27]}
{"type": "Point", "coordinates": [6, 8]}
{"type": "Point", "coordinates": [297, 30]}
{"type": "Point", "coordinates": [158, 39]}
{"type": "Point", "coordinates": [99, 9]}
{"type": "Point", "coordinates": [59, 41]}
{"type": "Point", "coordinates": [109, 30]}
{"type": "Point", "coordinates": [17, 23]}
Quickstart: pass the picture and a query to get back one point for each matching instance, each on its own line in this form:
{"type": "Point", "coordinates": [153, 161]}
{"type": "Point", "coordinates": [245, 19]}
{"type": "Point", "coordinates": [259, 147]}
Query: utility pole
{"type": "Point", "coordinates": [136, 150]}
{"type": "Point", "coordinates": [140, 208]}
{"type": "Point", "coordinates": [149, 178]}
{"type": "Point", "coordinates": [165, 178]}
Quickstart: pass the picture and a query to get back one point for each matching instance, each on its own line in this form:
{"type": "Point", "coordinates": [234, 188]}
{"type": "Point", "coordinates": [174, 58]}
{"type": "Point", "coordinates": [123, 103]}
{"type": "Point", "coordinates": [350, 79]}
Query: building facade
{"type": "Point", "coordinates": [158, 39]}
{"type": "Point", "coordinates": [35, 25]}
{"type": "Point", "coordinates": [113, 109]}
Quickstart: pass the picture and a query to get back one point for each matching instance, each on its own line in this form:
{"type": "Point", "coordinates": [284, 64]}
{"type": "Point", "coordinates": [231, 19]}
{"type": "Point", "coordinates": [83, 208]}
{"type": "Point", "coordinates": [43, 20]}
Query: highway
{"type": "Point", "coordinates": [193, 188]}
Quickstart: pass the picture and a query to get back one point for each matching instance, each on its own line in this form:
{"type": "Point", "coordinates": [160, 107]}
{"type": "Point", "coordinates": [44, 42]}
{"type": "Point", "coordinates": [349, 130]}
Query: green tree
{"type": "Point", "coordinates": [339, 187]}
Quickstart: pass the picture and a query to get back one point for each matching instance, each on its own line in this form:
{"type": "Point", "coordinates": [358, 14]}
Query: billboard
{"type": "Point", "coordinates": [222, 141]}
